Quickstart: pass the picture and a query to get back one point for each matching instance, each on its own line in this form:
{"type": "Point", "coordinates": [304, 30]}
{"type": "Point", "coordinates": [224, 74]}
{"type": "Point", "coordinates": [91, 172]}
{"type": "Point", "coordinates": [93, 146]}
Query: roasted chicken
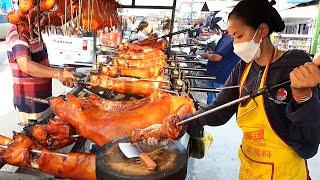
{"type": "Point", "coordinates": [101, 127]}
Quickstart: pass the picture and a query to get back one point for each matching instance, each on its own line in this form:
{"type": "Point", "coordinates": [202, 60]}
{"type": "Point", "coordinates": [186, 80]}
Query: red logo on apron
{"type": "Point", "coordinates": [282, 94]}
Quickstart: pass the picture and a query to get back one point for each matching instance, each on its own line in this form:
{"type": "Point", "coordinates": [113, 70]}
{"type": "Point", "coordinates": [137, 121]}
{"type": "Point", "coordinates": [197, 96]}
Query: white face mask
{"type": "Point", "coordinates": [248, 51]}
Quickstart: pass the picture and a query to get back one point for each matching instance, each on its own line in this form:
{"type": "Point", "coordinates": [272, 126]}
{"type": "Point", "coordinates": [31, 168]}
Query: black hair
{"type": "Point", "coordinates": [255, 12]}
{"type": "Point", "coordinates": [142, 25]}
{"type": "Point", "coordinates": [166, 25]}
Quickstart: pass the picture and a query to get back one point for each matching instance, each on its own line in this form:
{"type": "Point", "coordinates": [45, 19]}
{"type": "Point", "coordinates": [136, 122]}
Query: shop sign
{"type": "Point", "coordinates": [299, 1]}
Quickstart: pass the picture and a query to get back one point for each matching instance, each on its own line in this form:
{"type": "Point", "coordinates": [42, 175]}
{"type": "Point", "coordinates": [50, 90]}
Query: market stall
{"type": "Point", "coordinates": [108, 103]}
{"type": "Point", "coordinates": [299, 31]}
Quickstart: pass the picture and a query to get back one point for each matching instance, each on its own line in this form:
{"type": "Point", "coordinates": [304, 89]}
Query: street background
{"type": "Point", "coordinates": [220, 162]}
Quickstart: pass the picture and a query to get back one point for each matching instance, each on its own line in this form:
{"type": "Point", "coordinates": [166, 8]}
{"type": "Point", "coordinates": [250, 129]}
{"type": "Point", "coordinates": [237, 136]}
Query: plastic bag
{"type": "Point", "coordinates": [198, 146]}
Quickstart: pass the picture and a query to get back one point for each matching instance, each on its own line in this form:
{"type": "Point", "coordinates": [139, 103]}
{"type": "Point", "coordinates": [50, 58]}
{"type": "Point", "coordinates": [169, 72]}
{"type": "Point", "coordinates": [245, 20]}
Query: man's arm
{"type": "Point", "coordinates": [37, 70]}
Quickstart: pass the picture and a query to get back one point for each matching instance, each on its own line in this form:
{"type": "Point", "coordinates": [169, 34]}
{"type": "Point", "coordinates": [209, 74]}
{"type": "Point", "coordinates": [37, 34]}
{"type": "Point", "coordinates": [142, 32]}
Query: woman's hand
{"type": "Point", "coordinates": [66, 78]}
{"type": "Point", "coordinates": [304, 78]}
{"type": "Point", "coordinates": [205, 55]}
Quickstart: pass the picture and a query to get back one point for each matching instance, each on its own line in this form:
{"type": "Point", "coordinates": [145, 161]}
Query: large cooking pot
{"type": "Point", "coordinates": [112, 164]}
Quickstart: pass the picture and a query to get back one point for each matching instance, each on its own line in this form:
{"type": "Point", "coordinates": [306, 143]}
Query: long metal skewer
{"type": "Point", "coordinates": [143, 79]}
{"type": "Point", "coordinates": [204, 89]}
{"type": "Point", "coordinates": [186, 55]}
{"type": "Point", "coordinates": [34, 99]}
{"type": "Point", "coordinates": [200, 77]}
{"type": "Point", "coordinates": [37, 151]}
{"type": "Point", "coordinates": [187, 61]}
{"type": "Point", "coordinates": [244, 98]}
{"type": "Point", "coordinates": [188, 69]}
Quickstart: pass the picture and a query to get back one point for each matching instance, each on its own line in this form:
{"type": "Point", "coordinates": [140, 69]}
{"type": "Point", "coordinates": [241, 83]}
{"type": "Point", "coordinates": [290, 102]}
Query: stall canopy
{"type": "Point", "coordinates": [305, 12]}
{"type": "Point", "coordinates": [162, 4]}
{"type": "Point", "coordinates": [221, 5]}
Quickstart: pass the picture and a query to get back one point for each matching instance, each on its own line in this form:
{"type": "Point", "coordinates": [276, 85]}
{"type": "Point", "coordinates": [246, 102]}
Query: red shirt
{"type": "Point", "coordinates": [23, 84]}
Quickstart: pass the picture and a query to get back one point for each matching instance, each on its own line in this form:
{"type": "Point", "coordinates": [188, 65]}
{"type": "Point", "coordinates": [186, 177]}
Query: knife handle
{"type": "Point", "coordinates": [148, 162]}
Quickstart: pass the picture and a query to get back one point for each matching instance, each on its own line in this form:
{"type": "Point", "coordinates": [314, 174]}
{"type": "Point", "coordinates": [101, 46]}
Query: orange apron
{"type": "Point", "coordinates": [263, 154]}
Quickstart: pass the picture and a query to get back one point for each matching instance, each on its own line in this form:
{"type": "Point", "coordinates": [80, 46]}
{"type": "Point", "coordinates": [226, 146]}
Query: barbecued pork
{"type": "Point", "coordinates": [18, 153]}
{"type": "Point", "coordinates": [116, 106]}
{"type": "Point", "coordinates": [139, 88]}
{"type": "Point", "coordinates": [138, 72]}
{"type": "Point", "coordinates": [56, 134]}
{"type": "Point", "coordinates": [102, 127]}
{"type": "Point", "coordinates": [74, 166]}
{"type": "Point", "coordinates": [167, 130]}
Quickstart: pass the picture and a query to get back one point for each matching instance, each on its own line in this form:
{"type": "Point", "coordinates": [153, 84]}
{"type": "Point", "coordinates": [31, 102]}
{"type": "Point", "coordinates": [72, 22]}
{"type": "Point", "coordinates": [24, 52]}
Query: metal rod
{"type": "Point", "coordinates": [198, 89]}
{"type": "Point", "coordinates": [38, 20]}
{"type": "Point", "coordinates": [200, 77]}
{"type": "Point", "coordinates": [250, 96]}
{"type": "Point", "coordinates": [136, 79]}
{"type": "Point", "coordinates": [168, 91]}
{"type": "Point", "coordinates": [62, 33]}
{"type": "Point", "coordinates": [71, 9]}
{"type": "Point", "coordinates": [65, 17]}
{"type": "Point", "coordinates": [214, 109]}
{"type": "Point", "coordinates": [80, 15]}
{"type": "Point", "coordinates": [49, 22]}
{"type": "Point", "coordinates": [187, 61]}
{"type": "Point", "coordinates": [175, 33]}
{"type": "Point", "coordinates": [30, 27]}
{"type": "Point", "coordinates": [228, 87]}
{"type": "Point", "coordinates": [188, 69]}
{"type": "Point", "coordinates": [37, 151]}
{"type": "Point", "coordinates": [88, 5]}
{"type": "Point", "coordinates": [39, 100]}
{"type": "Point", "coordinates": [145, 7]}
{"type": "Point", "coordinates": [185, 45]}
{"type": "Point", "coordinates": [75, 136]}
{"type": "Point", "coordinates": [186, 55]}
{"type": "Point", "coordinates": [94, 54]}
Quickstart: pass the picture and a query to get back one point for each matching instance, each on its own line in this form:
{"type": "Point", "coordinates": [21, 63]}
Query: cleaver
{"type": "Point", "coordinates": [133, 151]}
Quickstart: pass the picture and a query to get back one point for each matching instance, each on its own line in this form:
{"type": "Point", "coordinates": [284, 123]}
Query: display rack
{"type": "Point", "coordinates": [287, 42]}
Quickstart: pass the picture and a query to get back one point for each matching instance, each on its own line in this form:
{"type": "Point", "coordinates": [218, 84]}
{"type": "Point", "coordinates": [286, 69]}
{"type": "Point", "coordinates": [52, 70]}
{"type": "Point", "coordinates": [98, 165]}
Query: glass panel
{"type": "Point", "coordinates": [125, 2]}
{"type": "Point", "coordinates": [154, 3]}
